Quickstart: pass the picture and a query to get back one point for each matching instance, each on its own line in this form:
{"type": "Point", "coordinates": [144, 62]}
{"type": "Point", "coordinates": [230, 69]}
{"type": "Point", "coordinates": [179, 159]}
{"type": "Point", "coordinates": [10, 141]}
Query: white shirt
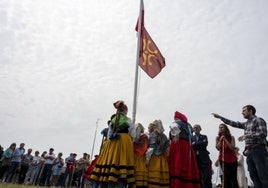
{"type": "Point", "coordinates": [48, 160]}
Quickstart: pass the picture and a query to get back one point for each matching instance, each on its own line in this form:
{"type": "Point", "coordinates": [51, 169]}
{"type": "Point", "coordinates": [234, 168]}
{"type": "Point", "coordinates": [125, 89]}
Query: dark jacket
{"type": "Point", "coordinates": [200, 147]}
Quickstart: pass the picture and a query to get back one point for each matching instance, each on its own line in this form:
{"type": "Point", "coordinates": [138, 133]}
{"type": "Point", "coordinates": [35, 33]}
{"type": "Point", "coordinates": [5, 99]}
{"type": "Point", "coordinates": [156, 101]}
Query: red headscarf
{"type": "Point", "coordinates": [180, 116]}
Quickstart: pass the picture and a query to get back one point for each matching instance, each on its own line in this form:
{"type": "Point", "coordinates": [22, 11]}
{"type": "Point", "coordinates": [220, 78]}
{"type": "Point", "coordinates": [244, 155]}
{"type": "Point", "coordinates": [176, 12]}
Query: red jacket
{"type": "Point", "coordinates": [89, 169]}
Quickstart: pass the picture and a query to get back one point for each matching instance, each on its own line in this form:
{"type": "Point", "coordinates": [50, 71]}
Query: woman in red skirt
{"type": "Point", "coordinates": [183, 168]}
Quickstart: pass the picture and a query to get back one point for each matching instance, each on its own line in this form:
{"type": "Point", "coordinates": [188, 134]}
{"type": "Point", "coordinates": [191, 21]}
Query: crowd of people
{"type": "Point", "coordinates": [47, 169]}
{"type": "Point", "coordinates": [131, 157]}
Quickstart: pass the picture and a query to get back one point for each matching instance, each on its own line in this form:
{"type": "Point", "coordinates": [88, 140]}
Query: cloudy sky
{"type": "Point", "coordinates": [64, 62]}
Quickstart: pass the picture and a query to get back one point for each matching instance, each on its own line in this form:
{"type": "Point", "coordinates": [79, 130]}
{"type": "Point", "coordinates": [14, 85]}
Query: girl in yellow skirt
{"type": "Point", "coordinates": [140, 147]}
{"type": "Point", "coordinates": [115, 166]}
{"type": "Point", "coordinates": [156, 156]}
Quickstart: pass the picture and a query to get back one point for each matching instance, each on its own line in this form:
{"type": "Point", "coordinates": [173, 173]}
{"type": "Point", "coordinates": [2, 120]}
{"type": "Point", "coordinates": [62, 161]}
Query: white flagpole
{"type": "Point", "coordinates": [137, 64]}
{"type": "Point", "coordinates": [94, 139]}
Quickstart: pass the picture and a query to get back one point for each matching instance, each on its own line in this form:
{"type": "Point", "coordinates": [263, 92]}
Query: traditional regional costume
{"type": "Point", "coordinates": [140, 147]}
{"type": "Point", "coordinates": [183, 168]}
{"type": "Point", "coordinates": [156, 156]}
{"type": "Point", "coordinates": [115, 166]}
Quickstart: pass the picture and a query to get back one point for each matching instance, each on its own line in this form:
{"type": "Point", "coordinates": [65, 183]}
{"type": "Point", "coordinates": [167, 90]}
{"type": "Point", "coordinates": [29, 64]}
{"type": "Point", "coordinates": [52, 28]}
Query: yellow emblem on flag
{"type": "Point", "coordinates": [147, 52]}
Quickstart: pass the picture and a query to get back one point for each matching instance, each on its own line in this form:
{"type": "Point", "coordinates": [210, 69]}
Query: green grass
{"type": "Point", "coordinates": [11, 185]}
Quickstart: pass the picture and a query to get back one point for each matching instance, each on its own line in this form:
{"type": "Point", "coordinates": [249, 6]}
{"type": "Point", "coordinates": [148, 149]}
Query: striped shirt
{"type": "Point", "coordinates": [255, 130]}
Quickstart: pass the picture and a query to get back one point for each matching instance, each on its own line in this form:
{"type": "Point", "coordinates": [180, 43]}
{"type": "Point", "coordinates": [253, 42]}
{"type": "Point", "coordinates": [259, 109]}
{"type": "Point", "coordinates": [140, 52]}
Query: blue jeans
{"type": "Point", "coordinates": [258, 166]}
{"type": "Point", "coordinates": [32, 173]}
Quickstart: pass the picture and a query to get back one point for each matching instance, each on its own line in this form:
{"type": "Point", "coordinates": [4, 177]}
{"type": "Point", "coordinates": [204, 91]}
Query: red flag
{"type": "Point", "coordinates": [150, 58]}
